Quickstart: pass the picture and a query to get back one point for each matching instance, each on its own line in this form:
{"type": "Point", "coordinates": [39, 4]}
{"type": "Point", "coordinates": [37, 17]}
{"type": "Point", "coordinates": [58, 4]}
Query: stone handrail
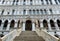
{"type": "Point", "coordinates": [10, 36]}
{"type": "Point", "coordinates": [46, 36]}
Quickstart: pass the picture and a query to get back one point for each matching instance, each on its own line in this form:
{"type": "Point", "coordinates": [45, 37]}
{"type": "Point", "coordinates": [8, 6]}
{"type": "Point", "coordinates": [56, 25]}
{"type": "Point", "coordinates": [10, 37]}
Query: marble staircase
{"type": "Point", "coordinates": [28, 36]}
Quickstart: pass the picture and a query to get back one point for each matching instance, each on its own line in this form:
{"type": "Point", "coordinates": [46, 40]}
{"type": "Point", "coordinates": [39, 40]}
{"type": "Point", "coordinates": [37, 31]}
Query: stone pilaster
{"type": "Point", "coordinates": [33, 26]}
{"type": "Point", "coordinates": [8, 26]}
{"type": "Point", "coordinates": [23, 27]}
{"type": "Point", "coordinates": [2, 26]}
{"type": "Point", "coordinates": [41, 24]}
{"type": "Point", "coordinates": [49, 26]}
{"type": "Point", "coordinates": [15, 26]}
{"type": "Point", "coordinates": [56, 26]}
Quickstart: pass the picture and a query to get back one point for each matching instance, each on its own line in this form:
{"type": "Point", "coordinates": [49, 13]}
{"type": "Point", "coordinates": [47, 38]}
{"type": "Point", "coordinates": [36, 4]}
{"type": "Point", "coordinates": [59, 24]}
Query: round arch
{"type": "Point", "coordinates": [45, 24]}
{"type": "Point", "coordinates": [12, 24]}
{"type": "Point", "coordinates": [58, 23]}
{"type": "Point", "coordinates": [28, 25]}
{"type": "Point", "coordinates": [52, 24]}
{"type": "Point", "coordinates": [5, 24]}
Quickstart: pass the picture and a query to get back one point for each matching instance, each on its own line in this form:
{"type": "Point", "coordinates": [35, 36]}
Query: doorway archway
{"type": "Point", "coordinates": [58, 23]}
{"type": "Point", "coordinates": [28, 25]}
{"type": "Point", "coordinates": [45, 24]}
{"type": "Point", "coordinates": [52, 24]}
{"type": "Point", "coordinates": [12, 24]}
{"type": "Point", "coordinates": [5, 24]}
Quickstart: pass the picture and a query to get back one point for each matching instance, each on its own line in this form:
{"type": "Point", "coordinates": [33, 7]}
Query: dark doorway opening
{"type": "Point", "coordinates": [28, 25]}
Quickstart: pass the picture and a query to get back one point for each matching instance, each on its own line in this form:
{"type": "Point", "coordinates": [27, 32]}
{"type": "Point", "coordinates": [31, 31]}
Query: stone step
{"type": "Point", "coordinates": [28, 36]}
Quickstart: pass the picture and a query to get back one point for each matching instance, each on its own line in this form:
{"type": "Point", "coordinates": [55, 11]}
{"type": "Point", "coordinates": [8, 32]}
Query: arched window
{"type": "Point", "coordinates": [33, 12]}
{"type": "Point", "coordinates": [37, 12]}
{"type": "Point", "coordinates": [52, 24]}
{"type": "Point", "coordinates": [45, 11]}
{"type": "Point", "coordinates": [13, 12]}
{"type": "Point", "coordinates": [5, 24]}
{"type": "Point", "coordinates": [51, 11]}
{"type": "Point", "coordinates": [12, 24]}
{"type": "Point", "coordinates": [58, 23]}
{"type": "Point", "coordinates": [41, 11]}
{"type": "Point", "coordinates": [0, 22]}
{"type": "Point", "coordinates": [2, 12]}
{"type": "Point", "coordinates": [45, 24]}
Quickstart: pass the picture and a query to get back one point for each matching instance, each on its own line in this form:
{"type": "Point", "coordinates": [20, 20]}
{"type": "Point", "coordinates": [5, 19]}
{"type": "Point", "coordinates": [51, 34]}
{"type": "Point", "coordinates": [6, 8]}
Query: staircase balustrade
{"type": "Point", "coordinates": [46, 35]}
{"type": "Point", "coordinates": [10, 36]}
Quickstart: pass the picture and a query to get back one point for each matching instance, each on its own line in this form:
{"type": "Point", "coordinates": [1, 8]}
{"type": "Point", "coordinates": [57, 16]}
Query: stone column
{"type": "Point", "coordinates": [56, 26]}
{"type": "Point", "coordinates": [36, 12]}
{"type": "Point", "coordinates": [19, 25]}
{"type": "Point", "coordinates": [41, 24]}
{"type": "Point", "coordinates": [8, 26]}
{"type": "Point", "coordinates": [49, 27]}
{"type": "Point", "coordinates": [33, 26]}
{"type": "Point", "coordinates": [36, 24]}
{"type": "Point", "coordinates": [15, 26]}
{"type": "Point", "coordinates": [26, 12]}
{"type": "Point", "coordinates": [2, 26]}
{"type": "Point", "coordinates": [23, 28]}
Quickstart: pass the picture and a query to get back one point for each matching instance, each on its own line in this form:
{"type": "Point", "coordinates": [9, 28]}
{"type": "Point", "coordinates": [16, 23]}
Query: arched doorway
{"type": "Point", "coordinates": [5, 24]}
{"type": "Point", "coordinates": [52, 24]}
{"type": "Point", "coordinates": [28, 25]}
{"type": "Point", "coordinates": [45, 24]}
{"type": "Point", "coordinates": [12, 24]}
{"type": "Point", "coordinates": [58, 23]}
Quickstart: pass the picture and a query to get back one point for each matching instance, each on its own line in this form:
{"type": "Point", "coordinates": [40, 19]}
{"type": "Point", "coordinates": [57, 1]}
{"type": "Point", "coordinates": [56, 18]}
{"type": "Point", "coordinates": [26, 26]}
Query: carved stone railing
{"type": "Point", "coordinates": [10, 36]}
{"type": "Point", "coordinates": [29, 6]}
{"type": "Point", "coordinates": [46, 36]}
{"type": "Point", "coordinates": [29, 16]}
